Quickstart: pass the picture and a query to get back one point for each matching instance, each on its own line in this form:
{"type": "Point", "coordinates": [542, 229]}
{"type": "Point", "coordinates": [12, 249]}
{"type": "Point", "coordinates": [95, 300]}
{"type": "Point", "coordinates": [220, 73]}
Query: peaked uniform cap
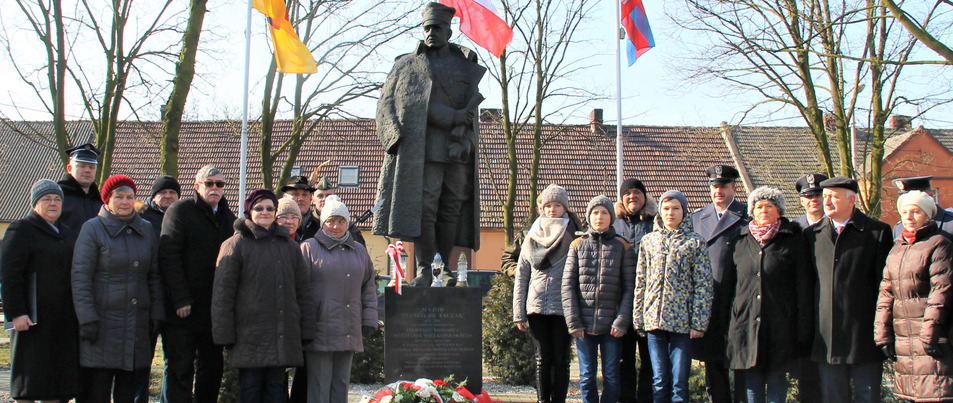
{"type": "Point", "coordinates": [84, 153]}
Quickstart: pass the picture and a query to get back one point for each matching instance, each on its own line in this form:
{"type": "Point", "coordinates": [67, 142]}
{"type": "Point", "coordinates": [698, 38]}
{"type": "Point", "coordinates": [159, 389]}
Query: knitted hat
{"type": "Point", "coordinates": [288, 206]}
{"type": "Point", "coordinates": [255, 196]}
{"type": "Point", "coordinates": [599, 200]}
{"type": "Point", "coordinates": [42, 188]}
{"type": "Point", "coordinates": [766, 193]}
{"type": "Point", "coordinates": [165, 182]}
{"type": "Point", "coordinates": [553, 193]}
{"type": "Point", "coordinates": [334, 207]}
{"type": "Point", "coordinates": [920, 199]}
{"type": "Point", "coordinates": [115, 182]}
{"type": "Point", "coordinates": [674, 194]}
{"type": "Point", "coordinates": [632, 183]}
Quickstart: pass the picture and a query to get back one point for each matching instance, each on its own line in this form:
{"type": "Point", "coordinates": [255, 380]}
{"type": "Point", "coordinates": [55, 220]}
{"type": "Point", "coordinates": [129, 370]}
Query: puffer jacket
{"type": "Point", "coordinates": [116, 283]}
{"type": "Point", "coordinates": [673, 286]}
{"type": "Point", "coordinates": [914, 308]}
{"type": "Point", "coordinates": [538, 290]}
{"type": "Point", "coordinates": [598, 283]}
{"type": "Point", "coordinates": [260, 298]}
{"type": "Point", "coordinates": [345, 293]}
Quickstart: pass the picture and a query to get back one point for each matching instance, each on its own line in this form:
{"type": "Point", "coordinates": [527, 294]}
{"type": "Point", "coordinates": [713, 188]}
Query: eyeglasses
{"type": "Point", "coordinates": [259, 209]}
{"type": "Point", "coordinates": [218, 184]}
{"type": "Point", "coordinates": [51, 199]}
{"type": "Point", "coordinates": [287, 218]}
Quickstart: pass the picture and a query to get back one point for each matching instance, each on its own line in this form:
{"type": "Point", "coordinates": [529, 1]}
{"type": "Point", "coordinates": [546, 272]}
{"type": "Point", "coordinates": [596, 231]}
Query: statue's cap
{"type": "Point", "coordinates": [436, 13]}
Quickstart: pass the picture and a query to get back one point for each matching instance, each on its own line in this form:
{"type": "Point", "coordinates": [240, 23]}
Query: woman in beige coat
{"type": "Point", "coordinates": [913, 310]}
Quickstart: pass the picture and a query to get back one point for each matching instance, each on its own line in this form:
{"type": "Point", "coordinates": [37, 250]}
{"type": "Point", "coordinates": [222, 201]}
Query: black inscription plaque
{"type": "Point", "coordinates": [434, 332]}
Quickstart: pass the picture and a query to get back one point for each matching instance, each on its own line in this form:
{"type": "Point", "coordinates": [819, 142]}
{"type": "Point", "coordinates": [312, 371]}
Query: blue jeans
{"type": "Point", "coordinates": [835, 381]}
{"type": "Point", "coordinates": [757, 377]}
{"type": "Point", "coordinates": [263, 385]}
{"type": "Point", "coordinates": [588, 348]}
{"type": "Point", "coordinates": [671, 365]}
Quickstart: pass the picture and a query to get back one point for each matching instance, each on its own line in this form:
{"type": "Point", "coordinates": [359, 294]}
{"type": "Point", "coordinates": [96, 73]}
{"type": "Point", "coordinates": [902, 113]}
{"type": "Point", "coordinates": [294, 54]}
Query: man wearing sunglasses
{"type": "Point", "coordinates": [192, 232]}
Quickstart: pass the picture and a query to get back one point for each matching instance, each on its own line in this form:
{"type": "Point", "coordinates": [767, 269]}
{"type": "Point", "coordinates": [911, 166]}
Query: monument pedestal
{"type": "Point", "coordinates": [434, 332]}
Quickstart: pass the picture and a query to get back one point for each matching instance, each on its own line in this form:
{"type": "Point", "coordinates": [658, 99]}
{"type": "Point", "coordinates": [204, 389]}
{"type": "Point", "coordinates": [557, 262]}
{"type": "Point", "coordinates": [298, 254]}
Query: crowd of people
{"type": "Point", "coordinates": [91, 278]}
{"type": "Point", "coordinates": [823, 298]}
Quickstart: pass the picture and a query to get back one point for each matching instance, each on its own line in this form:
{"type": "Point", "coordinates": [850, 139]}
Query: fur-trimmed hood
{"type": "Point", "coordinates": [649, 210]}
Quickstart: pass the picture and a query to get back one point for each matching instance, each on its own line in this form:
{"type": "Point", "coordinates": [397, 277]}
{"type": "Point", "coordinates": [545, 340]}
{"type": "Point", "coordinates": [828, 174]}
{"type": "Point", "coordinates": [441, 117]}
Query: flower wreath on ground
{"type": "Point", "coordinates": [427, 391]}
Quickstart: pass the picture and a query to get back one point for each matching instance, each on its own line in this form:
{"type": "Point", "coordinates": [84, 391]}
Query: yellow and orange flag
{"type": "Point", "coordinates": [291, 55]}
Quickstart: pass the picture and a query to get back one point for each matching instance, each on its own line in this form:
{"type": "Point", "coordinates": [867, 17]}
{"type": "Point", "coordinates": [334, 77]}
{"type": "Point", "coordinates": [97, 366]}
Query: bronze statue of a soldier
{"type": "Point", "coordinates": [426, 121]}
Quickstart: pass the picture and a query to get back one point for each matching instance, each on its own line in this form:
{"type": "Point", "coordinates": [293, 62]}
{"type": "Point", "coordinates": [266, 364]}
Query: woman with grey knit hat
{"type": "Point", "coordinates": [673, 296]}
{"type": "Point", "coordinates": [771, 323]}
{"type": "Point", "coordinates": [537, 302]}
{"type": "Point", "coordinates": [38, 300]}
{"type": "Point", "coordinates": [597, 288]}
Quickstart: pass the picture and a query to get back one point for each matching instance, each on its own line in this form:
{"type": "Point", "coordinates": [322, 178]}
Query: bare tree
{"type": "Point", "coordinates": [919, 29]}
{"type": "Point", "coordinates": [48, 81]}
{"type": "Point", "coordinates": [131, 41]}
{"type": "Point", "coordinates": [347, 40]}
{"type": "Point", "coordinates": [181, 84]}
{"type": "Point", "coordinates": [841, 57]}
{"type": "Point", "coordinates": [535, 75]}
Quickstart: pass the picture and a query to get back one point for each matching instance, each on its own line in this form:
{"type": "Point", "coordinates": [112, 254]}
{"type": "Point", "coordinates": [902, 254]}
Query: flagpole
{"type": "Point", "coordinates": [616, 34]}
{"type": "Point", "coordinates": [243, 159]}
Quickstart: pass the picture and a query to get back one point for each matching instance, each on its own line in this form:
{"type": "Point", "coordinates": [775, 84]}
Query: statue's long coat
{"type": "Point", "coordinates": [402, 129]}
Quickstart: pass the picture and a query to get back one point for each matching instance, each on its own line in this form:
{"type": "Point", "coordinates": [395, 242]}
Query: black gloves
{"type": "Point", "coordinates": [366, 330]}
{"type": "Point", "coordinates": [89, 331]}
{"type": "Point", "coordinates": [889, 352]}
{"type": "Point", "coordinates": [932, 350]}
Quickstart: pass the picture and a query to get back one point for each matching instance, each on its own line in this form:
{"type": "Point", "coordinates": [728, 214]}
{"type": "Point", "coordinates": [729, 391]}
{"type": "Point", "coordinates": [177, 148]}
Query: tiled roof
{"type": "Point", "coordinates": [583, 162]}
{"type": "Point", "coordinates": [778, 156]}
{"type": "Point", "coordinates": [23, 160]}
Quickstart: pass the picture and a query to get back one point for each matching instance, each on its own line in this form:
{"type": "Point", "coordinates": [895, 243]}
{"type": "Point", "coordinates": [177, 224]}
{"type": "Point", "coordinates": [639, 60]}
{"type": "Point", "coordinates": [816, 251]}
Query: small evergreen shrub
{"type": "Point", "coordinates": [507, 352]}
{"type": "Point", "coordinates": [368, 367]}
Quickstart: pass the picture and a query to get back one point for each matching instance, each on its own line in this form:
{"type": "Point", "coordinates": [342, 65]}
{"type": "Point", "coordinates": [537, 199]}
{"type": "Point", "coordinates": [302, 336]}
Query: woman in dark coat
{"type": "Point", "coordinates": [770, 322]}
{"type": "Point", "coordinates": [913, 311]}
{"type": "Point", "coordinates": [259, 299]}
{"type": "Point", "coordinates": [117, 293]}
{"type": "Point", "coordinates": [35, 268]}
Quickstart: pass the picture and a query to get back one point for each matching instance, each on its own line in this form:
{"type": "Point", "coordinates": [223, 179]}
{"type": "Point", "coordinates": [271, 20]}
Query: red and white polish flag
{"type": "Point", "coordinates": [481, 22]}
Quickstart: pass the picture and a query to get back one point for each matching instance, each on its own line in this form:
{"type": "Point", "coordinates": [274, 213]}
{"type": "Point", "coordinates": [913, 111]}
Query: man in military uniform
{"type": "Point", "coordinates": [943, 218]}
{"type": "Point", "coordinates": [719, 223]}
{"type": "Point", "coordinates": [809, 192]}
{"type": "Point", "coordinates": [426, 123]}
{"type": "Point", "coordinates": [81, 200]}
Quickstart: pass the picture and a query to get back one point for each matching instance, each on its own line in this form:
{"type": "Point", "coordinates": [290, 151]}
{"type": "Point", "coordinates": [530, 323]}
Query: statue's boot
{"type": "Point", "coordinates": [423, 280]}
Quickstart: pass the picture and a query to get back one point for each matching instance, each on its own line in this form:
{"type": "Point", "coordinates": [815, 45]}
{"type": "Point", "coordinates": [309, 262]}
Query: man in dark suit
{"type": "Point", "coordinates": [849, 251]}
{"type": "Point", "coordinates": [719, 223]}
{"type": "Point", "coordinates": [943, 218]}
{"type": "Point", "coordinates": [809, 192]}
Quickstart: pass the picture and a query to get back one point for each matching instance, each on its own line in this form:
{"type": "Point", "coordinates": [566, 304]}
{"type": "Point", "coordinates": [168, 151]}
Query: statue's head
{"type": "Point", "coordinates": [437, 24]}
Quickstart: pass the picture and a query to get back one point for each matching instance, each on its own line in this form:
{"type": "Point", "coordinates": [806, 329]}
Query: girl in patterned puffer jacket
{"type": "Point", "coordinates": [673, 293]}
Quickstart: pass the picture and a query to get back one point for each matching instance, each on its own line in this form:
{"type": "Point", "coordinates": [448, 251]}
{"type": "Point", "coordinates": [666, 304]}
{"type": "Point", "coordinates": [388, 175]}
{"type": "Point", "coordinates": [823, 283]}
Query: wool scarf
{"type": "Point", "coordinates": [764, 233]}
{"type": "Point", "coordinates": [543, 237]}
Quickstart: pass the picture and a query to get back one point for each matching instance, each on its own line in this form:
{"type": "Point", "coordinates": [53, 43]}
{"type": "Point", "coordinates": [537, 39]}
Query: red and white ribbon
{"type": "Point", "coordinates": [394, 252]}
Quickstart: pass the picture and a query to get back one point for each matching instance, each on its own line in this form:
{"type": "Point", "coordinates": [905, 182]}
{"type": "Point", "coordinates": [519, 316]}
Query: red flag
{"type": "Point", "coordinates": [480, 22]}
